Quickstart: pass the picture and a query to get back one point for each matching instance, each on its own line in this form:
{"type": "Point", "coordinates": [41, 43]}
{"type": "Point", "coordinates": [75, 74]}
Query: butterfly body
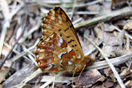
{"type": "Point", "coordinates": [59, 48]}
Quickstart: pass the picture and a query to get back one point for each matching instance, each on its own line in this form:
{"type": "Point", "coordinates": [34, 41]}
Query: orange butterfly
{"type": "Point", "coordinates": [59, 48]}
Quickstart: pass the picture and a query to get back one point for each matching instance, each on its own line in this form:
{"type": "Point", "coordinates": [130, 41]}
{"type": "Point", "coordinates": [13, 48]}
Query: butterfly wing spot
{"type": "Point", "coordinates": [38, 63]}
{"type": "Point", "coordinates": [61, 40]}
{"type": "Point", "coordinates": [37, 56]}
{"type": "Point", "coordinates": [53, 12]}
{"type": "Point", "coordinates": [50, 66]}
{"type": "Point", "coordinates": [52, 18]}
{"type": "Point", "coordinates": [44, 27]}
{"type": "Point", "coordinates": [41, 39]}
{"type": "Point", "coordinates": [59, 30]}
{"type": "Point", "coordinates": [68, 36]}
{"type": "Point", "coordinates": [60, 19]}
{"type": "Point", "coordinates": [42, 43]}
{"type": "Point", "coordinates": [67, 19]}
{"type": "Point", "coordinates": [59, 44]}
{"type": "Point", "coordinates": [74, 45]}
{"type": "Point", "coordinates": [60, 55]}
{"type": "Point", "coordinates": [51, 36]}
{"type": "Point", "coordinates": [61, 62]}
{"type": "Point", "coordinates": [79, 56]}
{"type": "Point", "coordinates": [64, 44]}
{"type": "Point", "coordinates": [69, 50]}
{"type": "Point", "coordinates": [70, 41]}
{"type": "Point", "coordinates": [69, 63]}
{"type": "Point", "coordinates": [57, 40]}
{"type": "Point", "coordinates": [66, 29]}
{"type": "Point", "coordinates": [61, 35]}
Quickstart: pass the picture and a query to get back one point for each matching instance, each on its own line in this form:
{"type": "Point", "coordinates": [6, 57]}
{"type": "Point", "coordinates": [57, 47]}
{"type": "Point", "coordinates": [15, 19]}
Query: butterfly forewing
{"type": "Point", "coordinates": [59, 48]}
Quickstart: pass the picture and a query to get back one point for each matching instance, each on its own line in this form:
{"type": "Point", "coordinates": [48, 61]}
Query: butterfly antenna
{"type": "Point", "coordinates": [73, 75]}
{"type": "Point", "coordinates": [81, 73]}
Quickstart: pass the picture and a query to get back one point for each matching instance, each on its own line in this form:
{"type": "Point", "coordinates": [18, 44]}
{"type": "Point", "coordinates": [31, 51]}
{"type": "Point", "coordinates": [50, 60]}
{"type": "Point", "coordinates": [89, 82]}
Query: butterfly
{"type": "Point", "coordinates": [59, 48]}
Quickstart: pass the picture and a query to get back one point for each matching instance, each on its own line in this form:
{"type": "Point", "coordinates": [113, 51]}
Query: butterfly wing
{"type": "Point", "coordinates": [59, 48]}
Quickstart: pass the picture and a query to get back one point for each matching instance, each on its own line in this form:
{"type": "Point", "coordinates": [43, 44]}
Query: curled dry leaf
{"type": "Point", "coordinates": [88, 78]}
{"type": "Point", "coordinates": [86, 45]}
{"type": "Point", "coordinates": [107, 38]}
{"type": "Point", "coordinates": [109, 28]}
{"type": "Point", "coordinates": [102, 78]}
{"type": "Point", "coordinates": [107, 71]}
{"type": "Point", "coordinates": [125, 72]}
{"type": "Point", "coordinates": [108, 50]}
{"type": "Point", "coordinates": [120, 51]}
{"type": "Point", "coordinates": [108, 83]}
